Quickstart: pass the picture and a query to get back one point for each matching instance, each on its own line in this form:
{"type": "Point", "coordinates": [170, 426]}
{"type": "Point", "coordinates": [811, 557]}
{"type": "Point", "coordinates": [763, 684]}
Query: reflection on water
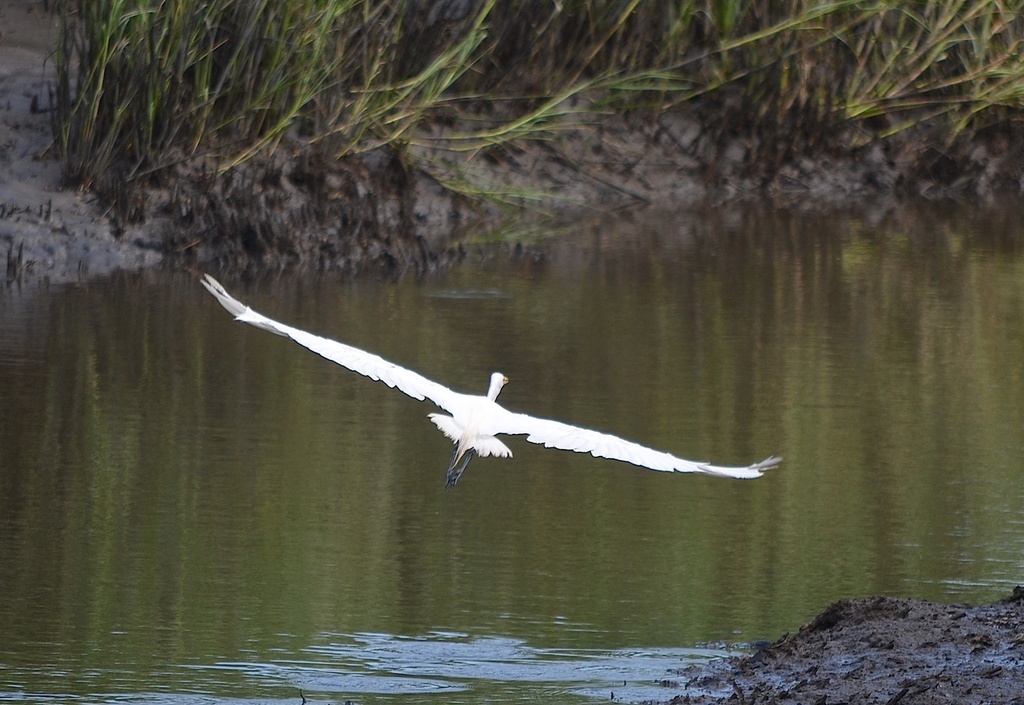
{"type": "Point", "coordinates": [191, 506]}
{"type": "Point", "coordinates": [467, 669]}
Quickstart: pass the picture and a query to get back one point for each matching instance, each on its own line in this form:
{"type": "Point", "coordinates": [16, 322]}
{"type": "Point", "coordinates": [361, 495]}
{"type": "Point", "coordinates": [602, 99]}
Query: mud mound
{"type": "Point", "coordinates": [879, 650]}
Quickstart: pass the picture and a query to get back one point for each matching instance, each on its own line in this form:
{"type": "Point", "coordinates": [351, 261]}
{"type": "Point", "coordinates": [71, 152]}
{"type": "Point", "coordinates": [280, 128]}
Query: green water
{"type": "Point", "coordinates": [193, 510]}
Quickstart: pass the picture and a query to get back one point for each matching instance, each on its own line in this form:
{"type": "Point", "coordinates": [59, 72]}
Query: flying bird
{"type": "Point", "coordinates": [475, 421]}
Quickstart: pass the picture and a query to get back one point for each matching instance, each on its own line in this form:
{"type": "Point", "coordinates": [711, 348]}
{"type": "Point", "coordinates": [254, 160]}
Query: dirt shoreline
{"type": "Point", "coordinates": [876, 650]}
{"type": "Point", "coordinates": [300, 209]}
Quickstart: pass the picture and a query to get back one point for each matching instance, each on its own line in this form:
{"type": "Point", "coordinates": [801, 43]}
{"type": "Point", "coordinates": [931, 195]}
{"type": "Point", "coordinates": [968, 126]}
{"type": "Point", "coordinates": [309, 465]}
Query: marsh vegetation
{"type": "Point", "coordinates": [337, 98]}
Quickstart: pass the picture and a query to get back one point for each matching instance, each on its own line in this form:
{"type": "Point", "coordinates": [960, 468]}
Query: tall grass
{"type": "Point", "coordinates": [145, 84]}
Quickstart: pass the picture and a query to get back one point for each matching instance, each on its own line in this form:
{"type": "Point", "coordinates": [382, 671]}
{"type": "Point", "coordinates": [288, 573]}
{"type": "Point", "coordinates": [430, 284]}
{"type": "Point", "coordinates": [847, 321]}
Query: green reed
{"type": "Point", "coordinates": [146, 84]}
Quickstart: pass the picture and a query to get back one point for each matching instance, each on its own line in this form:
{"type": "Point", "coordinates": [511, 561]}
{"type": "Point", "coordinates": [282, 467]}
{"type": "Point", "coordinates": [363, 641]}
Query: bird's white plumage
{"type": "Point", "coordinates": [476, 420]}
{"type": "Point", "coordinates": [376, 368]}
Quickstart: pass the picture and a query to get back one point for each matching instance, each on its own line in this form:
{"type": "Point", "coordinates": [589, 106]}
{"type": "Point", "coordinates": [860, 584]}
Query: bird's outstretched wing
{"type": "Point", "coordinates": [555, 434]}
{"type": "Point", "coordinates": [376, 368]}
{"type": "Point", "coordinates": [552, 434]}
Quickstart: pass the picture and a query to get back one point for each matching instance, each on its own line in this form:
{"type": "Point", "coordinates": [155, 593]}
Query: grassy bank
{"type": "Point", "coordinates": [147, 85]}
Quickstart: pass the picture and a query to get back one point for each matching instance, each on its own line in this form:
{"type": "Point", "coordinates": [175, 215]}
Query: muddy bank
{"type": "Point", "coordinates": [378, 213]}
{"type": "Point", "coordinates": [390, 212]}
{"type": "Point", "coordinates": [387, 212]}
{"type": "Point", "coordinates": [877, 650]}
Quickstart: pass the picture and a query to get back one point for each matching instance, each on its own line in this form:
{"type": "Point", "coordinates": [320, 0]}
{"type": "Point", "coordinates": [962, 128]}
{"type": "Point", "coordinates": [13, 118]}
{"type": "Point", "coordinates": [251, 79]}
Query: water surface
{"type": "Point", "coordinates": [195, 510]}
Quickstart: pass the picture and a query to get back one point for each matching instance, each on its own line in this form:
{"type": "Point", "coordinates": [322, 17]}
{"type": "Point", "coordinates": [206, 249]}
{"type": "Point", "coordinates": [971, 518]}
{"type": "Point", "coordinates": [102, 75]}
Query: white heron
{"type": "Point", "coordinates": [475, 420]}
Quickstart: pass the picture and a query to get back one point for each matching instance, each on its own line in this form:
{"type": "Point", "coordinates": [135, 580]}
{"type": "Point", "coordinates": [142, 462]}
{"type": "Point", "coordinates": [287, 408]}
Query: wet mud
{"type": "Point", "coordinates": [876, 650]}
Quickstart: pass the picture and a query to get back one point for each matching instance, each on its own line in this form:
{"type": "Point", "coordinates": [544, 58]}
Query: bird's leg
{"type": "Point", "coordinates": [454, 473]}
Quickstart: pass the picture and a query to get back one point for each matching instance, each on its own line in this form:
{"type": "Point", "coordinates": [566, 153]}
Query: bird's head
{"type": "Point", "coordinates": [498, 381]}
